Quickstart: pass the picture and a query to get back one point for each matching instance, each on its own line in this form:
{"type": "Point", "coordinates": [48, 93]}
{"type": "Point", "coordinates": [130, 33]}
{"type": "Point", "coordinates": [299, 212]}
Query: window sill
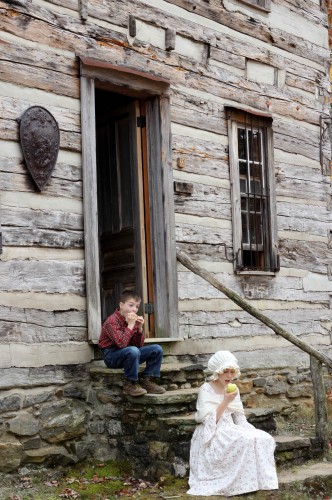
{"type": "Point", "coordinates": [257, 273]}
{"type": "Point", "coordinates": [152, 340]}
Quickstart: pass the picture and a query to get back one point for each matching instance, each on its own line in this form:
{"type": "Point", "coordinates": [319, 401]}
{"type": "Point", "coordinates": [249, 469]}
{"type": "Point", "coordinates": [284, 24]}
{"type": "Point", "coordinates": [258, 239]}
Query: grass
{"type": "Point", "coordinates": [113, 481]}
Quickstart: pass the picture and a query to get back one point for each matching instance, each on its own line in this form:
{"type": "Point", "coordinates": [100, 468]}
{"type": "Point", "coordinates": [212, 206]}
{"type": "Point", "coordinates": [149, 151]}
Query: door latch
{"type": "Point", "coordinates": [148, 308]}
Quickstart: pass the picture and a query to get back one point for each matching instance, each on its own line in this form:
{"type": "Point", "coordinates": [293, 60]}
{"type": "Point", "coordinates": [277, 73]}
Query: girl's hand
{"type": "Point", "coordinates": [230, 396]}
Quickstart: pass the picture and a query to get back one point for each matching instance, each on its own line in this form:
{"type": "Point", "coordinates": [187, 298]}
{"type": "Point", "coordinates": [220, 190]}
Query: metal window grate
{"type": "Point", "coordinates": [255, 223]}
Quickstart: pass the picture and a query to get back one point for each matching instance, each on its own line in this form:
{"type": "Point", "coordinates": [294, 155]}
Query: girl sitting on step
{"type": "Point", "coordinates": [228, 456]}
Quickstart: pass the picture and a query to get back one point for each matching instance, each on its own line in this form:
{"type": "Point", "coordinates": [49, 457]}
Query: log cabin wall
{"type": "Point", "coordinates": [272, 60]}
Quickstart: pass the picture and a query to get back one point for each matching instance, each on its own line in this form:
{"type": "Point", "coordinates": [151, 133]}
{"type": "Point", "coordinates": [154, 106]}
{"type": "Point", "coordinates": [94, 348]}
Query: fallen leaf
{"type": "Point", "coordinates": [71, 480]}
{"type": "Point", "coordinates": [52, 483]}
{"type": "Point", "coordinates": [69, 493]}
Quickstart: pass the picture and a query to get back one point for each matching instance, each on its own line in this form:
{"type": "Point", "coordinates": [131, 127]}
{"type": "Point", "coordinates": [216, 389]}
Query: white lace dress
{"type": "Point", "coordinates": [230, 457]}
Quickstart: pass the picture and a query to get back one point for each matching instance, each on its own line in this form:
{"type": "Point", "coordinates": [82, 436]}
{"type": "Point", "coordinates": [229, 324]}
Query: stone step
{"type": "Point", "coordinates": [179, 401]}
{"type": "Point", "coordinates": [261, 418]}
{"type": "Point", "coordinates": [306, 472]}
{"type": "Point", "coordinates": [289, 449]}
{"type": "Point", "coordinates": [169, 435]}
{"type": "Point", "coordinates": [296, 449]}
{"type": "Point", "coordinates": [173, 375]}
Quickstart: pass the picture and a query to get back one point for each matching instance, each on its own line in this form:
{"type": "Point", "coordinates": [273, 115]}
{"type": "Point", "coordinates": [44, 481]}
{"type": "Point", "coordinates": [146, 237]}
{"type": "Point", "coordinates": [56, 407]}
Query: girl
{"type": "Point", "coordinates": [228, 456]}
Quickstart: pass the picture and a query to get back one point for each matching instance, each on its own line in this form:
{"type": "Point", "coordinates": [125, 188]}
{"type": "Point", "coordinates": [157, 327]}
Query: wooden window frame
{"type": "Point", "coordinates": [236, 119]}
{"type": "Point", "coordinates": [264, 5]}
{"type": "Point", "coordinates": [156, 90]}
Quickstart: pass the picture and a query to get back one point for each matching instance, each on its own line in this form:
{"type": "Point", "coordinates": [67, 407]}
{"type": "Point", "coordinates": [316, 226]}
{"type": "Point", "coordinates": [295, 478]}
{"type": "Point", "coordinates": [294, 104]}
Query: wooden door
{"type": "Point", "coordinates": [123, 215]}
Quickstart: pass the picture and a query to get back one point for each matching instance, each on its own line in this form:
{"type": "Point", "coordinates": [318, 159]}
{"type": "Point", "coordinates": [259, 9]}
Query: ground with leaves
{"type": "Point", "coordinates": [113, 481]}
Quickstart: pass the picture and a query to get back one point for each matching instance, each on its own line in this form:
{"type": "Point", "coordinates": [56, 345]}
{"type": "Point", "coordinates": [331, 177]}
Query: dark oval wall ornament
{"type": "Point", "coordinates": [40, 141]}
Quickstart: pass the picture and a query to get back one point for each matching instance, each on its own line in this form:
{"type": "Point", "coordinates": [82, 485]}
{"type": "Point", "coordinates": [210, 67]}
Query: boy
{"type": "Point", "coordinates": [121, 342]}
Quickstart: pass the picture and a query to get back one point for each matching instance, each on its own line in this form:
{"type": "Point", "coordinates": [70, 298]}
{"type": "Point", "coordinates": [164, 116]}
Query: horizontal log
{"type": "Point", "coordinates": [309, 9]}
{"type": "Point", "coordinates": [22, 54]}
{"type": "Point", "coordinates": [240, 319]}
{"type": "Point", "coordinates": [299, 188]}
{"type": "Point", "coordinates": [206, 201]}
{"type": "Point", "coordinates": [71, 173]}
{"type": "Point", "coordinates": [43, 79]}
{"type": "Point", "coordinates": [206, 252]}
{"type": "Point", "coordinates": [19, 236]}
{"type": "Point", "coordinates": [55, 186]}
{"type": "Point", "coordinates": [45, 276]}
{"type": "Point", "coordinates": [189, 233]}
{"type": "Point", "coordinates": [279, 288]}
{"type": "Point", "coordinates": [311, 256]}
{"type": "Point", "coordinates": [30, 333]}
{"type": "Point", "coordinates": [187, 111]}
{"type": "Point", "coordinates": [302, 225]}
{"type": "Point", "coordinates": [41, 219]}
{"type": "Point", "coordinates": [50, 319]}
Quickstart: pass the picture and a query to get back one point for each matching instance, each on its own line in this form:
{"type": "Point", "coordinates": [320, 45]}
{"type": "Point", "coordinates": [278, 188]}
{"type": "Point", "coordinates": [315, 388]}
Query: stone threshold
{"type": "Point", "coordinates": [306, 471]}
{"type": "Point", "coordinates": [162, 340]}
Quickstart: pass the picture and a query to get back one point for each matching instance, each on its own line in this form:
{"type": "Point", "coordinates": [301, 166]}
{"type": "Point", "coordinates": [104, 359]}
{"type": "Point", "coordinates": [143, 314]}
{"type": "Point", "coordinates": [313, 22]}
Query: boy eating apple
{"type": "Point", "coordinates": [122, 345]}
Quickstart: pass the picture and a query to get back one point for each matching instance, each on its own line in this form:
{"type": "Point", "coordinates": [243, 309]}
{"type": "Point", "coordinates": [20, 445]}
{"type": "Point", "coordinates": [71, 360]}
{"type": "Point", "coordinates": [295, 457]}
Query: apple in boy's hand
{"type": "Point", "coordinates": [231, 388]}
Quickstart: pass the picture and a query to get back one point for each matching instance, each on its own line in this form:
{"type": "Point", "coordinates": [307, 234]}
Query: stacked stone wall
{"type": "Point", "coordinates": [67, 414]}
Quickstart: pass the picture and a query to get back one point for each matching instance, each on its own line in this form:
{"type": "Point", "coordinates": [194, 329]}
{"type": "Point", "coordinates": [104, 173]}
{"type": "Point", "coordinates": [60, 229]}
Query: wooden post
{"type": "Point", "coordinates": [170, 38]}
{"type": "Point", "coordinates": [132, 25]}
{"type": "Point", "coordinates": [84, 10]}
{"type": "Point", "coordinates": [320, 402]}
{"type": "Point", "coordinates": [195, 268]}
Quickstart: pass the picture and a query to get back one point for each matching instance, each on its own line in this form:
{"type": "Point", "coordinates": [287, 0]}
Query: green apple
{"type": "Point", "coordinates": [231, 388]}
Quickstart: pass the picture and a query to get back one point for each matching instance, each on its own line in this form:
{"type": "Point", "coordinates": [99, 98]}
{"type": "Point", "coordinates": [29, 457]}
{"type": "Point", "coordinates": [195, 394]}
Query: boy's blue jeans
{"type": "Point", "coordinates": [129, 358]}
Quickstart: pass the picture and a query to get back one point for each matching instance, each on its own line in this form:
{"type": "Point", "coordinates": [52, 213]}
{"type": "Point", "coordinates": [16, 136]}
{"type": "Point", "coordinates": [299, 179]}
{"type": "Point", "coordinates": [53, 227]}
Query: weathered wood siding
{"type": "Point", "coordinates": [224, 54]}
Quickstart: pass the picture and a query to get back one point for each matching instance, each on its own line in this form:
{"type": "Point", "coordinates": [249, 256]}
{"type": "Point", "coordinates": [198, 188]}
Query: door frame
{"type": "Point", "coordinates": [158, 134]}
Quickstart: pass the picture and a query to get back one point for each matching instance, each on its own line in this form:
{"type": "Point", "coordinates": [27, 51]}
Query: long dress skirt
{"type": "Point", "coordinates": [231, 457]}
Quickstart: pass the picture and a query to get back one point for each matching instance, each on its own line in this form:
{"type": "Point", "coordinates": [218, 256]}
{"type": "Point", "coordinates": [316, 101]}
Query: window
{"type": "Point", "coordinates": [253, 193]}
{"type": "Point", "coordinates": [260, 4]}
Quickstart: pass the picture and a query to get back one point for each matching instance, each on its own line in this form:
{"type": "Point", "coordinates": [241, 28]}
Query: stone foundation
{"type": "Point", "coordinates": [66, 414]}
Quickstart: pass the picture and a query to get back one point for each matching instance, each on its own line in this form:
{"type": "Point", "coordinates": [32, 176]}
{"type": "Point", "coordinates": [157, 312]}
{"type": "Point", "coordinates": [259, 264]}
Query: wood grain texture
{"type": "Point", "coordinates": [41, 43]}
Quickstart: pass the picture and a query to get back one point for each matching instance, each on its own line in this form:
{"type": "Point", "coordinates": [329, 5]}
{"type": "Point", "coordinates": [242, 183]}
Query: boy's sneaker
{"type": "Point", "coordinates": [133, 388]}
{"type": "Point", "coordinates": [151, 387]}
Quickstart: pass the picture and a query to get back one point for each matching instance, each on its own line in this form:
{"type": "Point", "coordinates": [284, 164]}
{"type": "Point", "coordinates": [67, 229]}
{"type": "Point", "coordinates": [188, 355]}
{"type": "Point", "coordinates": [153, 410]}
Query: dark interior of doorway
{"type": "Point", "coordinates": [116, 197]}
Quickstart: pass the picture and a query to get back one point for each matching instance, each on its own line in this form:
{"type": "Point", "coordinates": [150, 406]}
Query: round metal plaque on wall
{"type": "Point", "coordinates": [40, 141]}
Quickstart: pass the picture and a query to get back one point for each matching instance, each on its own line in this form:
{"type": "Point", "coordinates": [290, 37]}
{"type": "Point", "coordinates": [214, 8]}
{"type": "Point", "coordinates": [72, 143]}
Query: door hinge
{"type": "Point", "coordinates": [148, 308]}
{"type": "Point", "coordinates": [141, 121]}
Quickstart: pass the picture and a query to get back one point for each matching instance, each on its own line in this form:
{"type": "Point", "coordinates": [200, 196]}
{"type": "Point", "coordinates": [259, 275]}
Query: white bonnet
{"type": "Point", "coordinates": [222, 360]}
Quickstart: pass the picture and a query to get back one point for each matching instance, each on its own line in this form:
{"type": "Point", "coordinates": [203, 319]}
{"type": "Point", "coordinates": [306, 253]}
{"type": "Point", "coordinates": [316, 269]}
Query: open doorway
{"type": "Point", "coordinates": [123, 202]}
{"type": "Point", "coordinates": [128, 244]}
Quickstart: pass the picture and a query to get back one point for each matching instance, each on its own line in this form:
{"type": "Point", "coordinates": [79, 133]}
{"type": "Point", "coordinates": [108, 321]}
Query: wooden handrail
{"type": "Point", "coordinates": [316, 357]}
{"type": "Point", "coordinates": [195, 268]}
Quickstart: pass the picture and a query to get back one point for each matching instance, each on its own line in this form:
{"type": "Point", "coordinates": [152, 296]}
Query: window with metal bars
{"type": "Point", "coordinates": [253, 193]}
